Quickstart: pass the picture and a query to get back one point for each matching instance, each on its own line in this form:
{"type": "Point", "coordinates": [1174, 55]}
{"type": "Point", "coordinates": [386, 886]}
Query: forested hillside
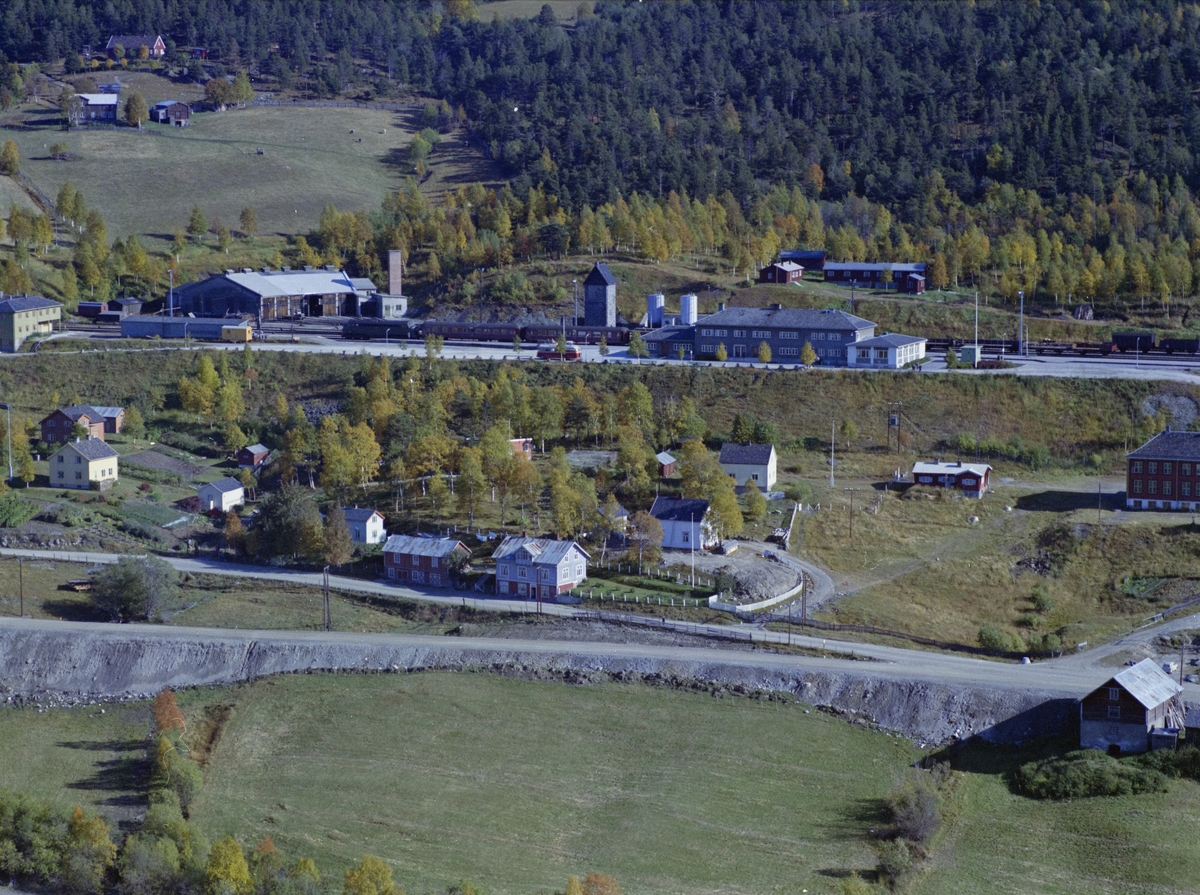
{"type": "Point", "coordinates": [1056, 97]}
{"type": "Point", "coordinates": [1043, 147]}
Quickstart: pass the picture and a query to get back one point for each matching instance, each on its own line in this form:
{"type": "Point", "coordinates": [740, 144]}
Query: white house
{"type": "Point", "coordinates": [891, 351]}
{"type": "Point", "coordinates": [536, 567]}
{"type": "Point", "coordinates": [83, 464]}
{"type": "Point", "coordinates": [366, 526]}
{"type": "Point", "coordinates": [750, 463]}
{"type": "Point", "coordinates": [684, 522]}
{"type": "Point", "coordinates": [223, 494]}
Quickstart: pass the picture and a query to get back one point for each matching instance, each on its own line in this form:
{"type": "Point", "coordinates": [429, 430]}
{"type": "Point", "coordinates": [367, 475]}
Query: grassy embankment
{"type": "Point", "coordinates": [515, 785]}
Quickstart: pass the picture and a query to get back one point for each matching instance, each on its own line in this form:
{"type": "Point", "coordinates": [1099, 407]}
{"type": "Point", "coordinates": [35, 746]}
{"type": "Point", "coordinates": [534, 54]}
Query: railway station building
{"type": "Point", "coordinates": [785, 330]}
{"type": "Point", "coordinates": [1164, 473]}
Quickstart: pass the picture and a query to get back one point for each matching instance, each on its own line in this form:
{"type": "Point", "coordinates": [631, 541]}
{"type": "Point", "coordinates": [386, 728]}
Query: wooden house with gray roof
{"type": "Point", "coordinates": [1121, 714]}
{"type": "Point", "coordinates": [416, 560]}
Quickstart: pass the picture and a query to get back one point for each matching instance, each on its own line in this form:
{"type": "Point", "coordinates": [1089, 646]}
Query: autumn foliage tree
{"type": "Point", "coordinates": [167, 715]}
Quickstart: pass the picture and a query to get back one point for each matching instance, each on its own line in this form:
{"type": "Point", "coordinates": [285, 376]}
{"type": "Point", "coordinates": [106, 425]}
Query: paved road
{"type": "Point", "coordinates": [1118, 367]}
{"type": "Point", "coordinates": [1068, 676]}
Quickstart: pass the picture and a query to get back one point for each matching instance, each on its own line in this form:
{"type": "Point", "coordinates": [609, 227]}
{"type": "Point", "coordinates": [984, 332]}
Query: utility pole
{"type": "Point", "coordinates": [8, 429]}
{"type": "Point", "coordinates": [852, 491]}
{"type": "Point", "coordinates": [894, 420]}
{"type": "Point", "coordinates": [1099, 498]}
{"type": "Point", "coordinates": [832, 439]}
{"type": "Point", "coordinates": [975, 363]}
{"type": "Point", "coordinates": [328, 616]}
{"type": "Point", "coordinates": [575, 291]}
{"type": "Point", "coordinates": [21, 576]}
{"type": "Point", "coordinates": [1021, 325]}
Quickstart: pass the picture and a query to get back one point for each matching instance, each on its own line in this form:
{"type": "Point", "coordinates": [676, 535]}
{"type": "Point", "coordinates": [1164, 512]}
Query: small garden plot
{"type": "Point", "coordinates": [152, 513]}
{"type": "Point", "coordinates": [157, 461]}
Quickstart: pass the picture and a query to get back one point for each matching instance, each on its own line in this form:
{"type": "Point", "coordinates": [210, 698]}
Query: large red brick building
{"type": "Point", "coordinates": [1164, 473]}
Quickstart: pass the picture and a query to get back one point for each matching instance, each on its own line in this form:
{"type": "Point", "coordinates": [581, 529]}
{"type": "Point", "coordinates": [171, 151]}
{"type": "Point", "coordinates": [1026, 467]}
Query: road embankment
{"type": "Point", "coordinates": [64, 664]}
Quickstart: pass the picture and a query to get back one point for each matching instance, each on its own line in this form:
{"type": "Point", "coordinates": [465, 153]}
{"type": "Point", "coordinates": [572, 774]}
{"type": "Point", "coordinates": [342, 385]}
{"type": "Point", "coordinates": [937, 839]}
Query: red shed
{"type": "Point", "coordinates": [781, 272]}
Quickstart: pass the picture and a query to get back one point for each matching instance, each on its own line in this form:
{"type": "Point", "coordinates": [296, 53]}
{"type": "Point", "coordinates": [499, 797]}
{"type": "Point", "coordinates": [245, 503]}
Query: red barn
{"type": "Point", "coordinates": [781, 272]}
{"type": "Point", "coordinates": [423, 560]}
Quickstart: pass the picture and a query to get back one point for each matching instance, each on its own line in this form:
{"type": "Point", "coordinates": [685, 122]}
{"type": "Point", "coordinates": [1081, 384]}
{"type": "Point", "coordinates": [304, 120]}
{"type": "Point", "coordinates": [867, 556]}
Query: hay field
{"type": "Point", "coordinates": [146, 183]}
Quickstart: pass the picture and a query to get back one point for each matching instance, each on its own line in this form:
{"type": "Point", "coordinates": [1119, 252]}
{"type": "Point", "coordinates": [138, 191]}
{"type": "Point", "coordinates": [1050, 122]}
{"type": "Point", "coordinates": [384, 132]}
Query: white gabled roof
{"type": "Point", "coordinates": [937, 468]}
{"type": "Point", "coordinates": [1148, 683]}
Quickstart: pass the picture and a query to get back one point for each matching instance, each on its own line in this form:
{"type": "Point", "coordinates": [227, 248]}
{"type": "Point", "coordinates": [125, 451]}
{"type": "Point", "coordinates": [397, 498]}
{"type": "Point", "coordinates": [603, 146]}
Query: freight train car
{"type": "Point", "coordinates": [363, 329]}
{"type": "Point", "coordinates": [1134, 341]}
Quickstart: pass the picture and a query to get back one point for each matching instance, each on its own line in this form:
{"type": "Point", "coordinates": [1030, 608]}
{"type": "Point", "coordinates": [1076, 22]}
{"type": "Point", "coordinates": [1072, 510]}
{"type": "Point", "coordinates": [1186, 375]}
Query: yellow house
{"type": "Point", "coordinates": [79, 463]}
{"type": "Point", "coordinates": [22, 316]}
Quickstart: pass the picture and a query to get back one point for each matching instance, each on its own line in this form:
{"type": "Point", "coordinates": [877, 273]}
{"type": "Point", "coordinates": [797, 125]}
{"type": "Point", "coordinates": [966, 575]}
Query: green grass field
{"type": "Point", "coordinates": [516, 785]}
{"type": "Point", "coordinates": [146, 183]}
{"type": "Point", "coordinates": [998, 843]}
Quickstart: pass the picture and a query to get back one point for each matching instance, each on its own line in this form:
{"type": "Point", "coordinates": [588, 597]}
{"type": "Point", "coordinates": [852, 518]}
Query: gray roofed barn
{"type": "Point", "coordinates": [1148, 683]}
{"type": "Point", "coordinates": [226, 485]}
{"type": "Point", "coordinates": [274, 294]}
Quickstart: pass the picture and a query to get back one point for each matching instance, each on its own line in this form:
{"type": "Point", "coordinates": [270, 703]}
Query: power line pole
{"type": "Point", "coordinates": [21, 576]}
{"type": "Point", "coordinates": [852, 491]}
{"type": "Point", "coordinates": [328, 616]}
{"type": "Point", "coordinates": [832, 439]}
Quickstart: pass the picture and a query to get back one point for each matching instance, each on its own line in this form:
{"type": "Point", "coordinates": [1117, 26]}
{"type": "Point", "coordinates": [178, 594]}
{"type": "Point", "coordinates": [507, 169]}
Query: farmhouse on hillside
{"type": "Point", "coordinates": [423, 560]}
{"type": "Point", "coordinates": [538, 568]}
{"type": "Point", "coordinates": [83, 464]}
{"type": "Point", "coordinates": [1164, 473]}
{"type": "Point", "coordinates": [1120, 715]}
{"type": "Point", "coordinates": [96, 107]}
{"type": "Point", "coordinates": [132, 45]}
{"type": "Point", "coordinates": [781, 272]}
{"type": "Point", "coordinates": [223, 495]}
{"type": "Point", "coordinates": [58, 426]}
{"type": "Point", "coordinates": [785, 330]}
{"type": "Point", "coordinates": [970, 478]}
{"type": "Point", "coordinates": [750, 463]}
{"type": "Point", "coordinates": [366, 525]}
{"type": "Point", "coordinates": [22, 316]}
{"type": "Point", "coordinates": [173, 112]}
{"type": "Point", "coordinates": [276, 294]}
{"type": "Point", "coordinates": [891, 351]}
{"type": "Point", "coordinates": [684, 522]}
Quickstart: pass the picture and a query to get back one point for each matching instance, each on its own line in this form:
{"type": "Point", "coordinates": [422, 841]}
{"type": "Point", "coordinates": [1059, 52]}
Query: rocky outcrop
{"type": "Point", "coordinates": [95, 663]}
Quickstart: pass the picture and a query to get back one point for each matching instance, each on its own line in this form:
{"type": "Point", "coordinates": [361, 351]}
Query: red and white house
{"type": "Point", "coordinates": [539, 568]}
{"type": "Point", "coordinates": [423, 560]}
{"type": "Point", "coordinates": [970, 478]}
{"type": "Point", "coordinates": [1164, 473]}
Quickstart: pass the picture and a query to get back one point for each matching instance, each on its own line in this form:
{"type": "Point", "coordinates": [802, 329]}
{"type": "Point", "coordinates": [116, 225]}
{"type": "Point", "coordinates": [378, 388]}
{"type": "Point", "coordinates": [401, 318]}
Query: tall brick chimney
{"type": "Point", "coordinates": [395, 272]}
